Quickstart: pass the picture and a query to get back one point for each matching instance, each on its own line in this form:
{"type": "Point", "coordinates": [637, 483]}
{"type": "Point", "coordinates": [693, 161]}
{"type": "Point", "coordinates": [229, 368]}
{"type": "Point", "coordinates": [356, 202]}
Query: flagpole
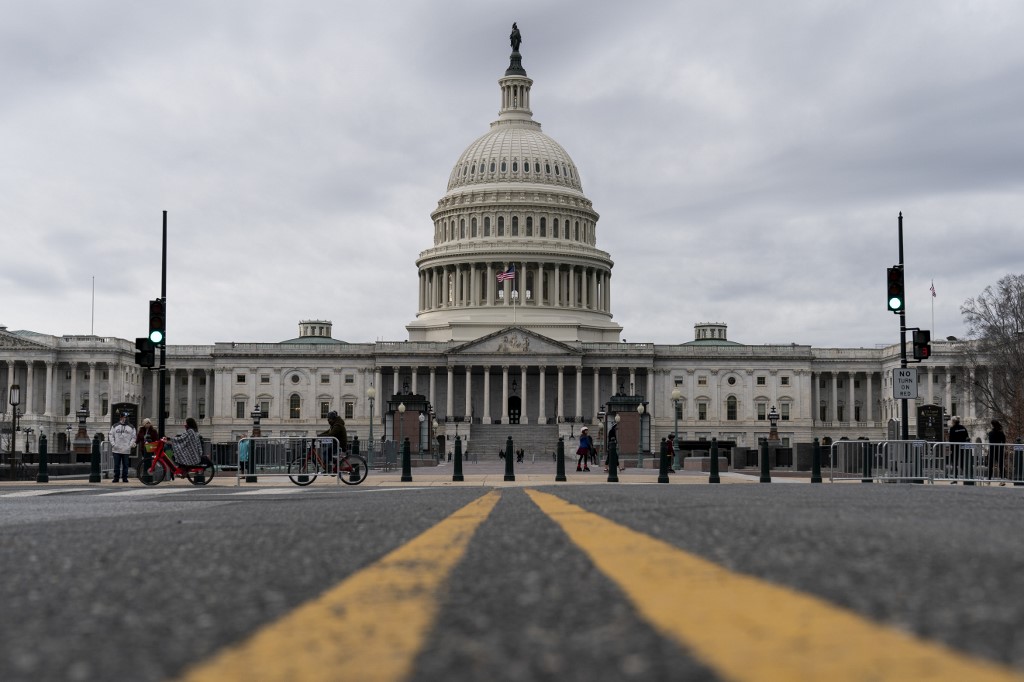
{"type": "Point", "coordinates": [933, 305]}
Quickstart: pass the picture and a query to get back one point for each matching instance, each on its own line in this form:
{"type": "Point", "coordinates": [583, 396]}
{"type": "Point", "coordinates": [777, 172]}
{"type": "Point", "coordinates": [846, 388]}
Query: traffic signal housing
{"type": "Point", "coordinates": [922, 344]}
{"type": "Point", "coordinates": [145, 352]}
{"type": "Point", "coordinates": [894, 279]}
{"type": "Point", "coordinates": [157, 321]}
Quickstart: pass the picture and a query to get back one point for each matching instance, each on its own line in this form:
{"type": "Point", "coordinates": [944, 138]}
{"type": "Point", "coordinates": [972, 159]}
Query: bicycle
{"type": "Point", "coordinates": [197, 474]}
{"type": "Point", "coordinates": [304, 470]}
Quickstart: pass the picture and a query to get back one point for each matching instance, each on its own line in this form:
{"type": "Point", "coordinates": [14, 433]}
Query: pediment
{"type": "Point", "coordinates": [514, 341]}
{"type": "Point", "coordinates": [9, 341]}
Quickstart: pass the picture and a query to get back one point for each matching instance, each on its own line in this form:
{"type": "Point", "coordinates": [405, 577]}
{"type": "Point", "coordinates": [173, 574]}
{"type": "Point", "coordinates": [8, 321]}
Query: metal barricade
{"type": "Point", "coordinates": [974, 462]}
{"type": "Point", "coordinates": [106, 458]}
{"type": "Point", "coordinates": [919, 461]}
{"type": "Point", "coordinates": [280, 456]}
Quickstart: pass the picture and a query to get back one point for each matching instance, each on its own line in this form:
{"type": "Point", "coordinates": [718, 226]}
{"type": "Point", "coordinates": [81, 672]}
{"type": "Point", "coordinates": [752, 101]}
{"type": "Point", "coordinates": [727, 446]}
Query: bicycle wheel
{"type": "Point", "coordinates": [202, 474]}
{"type": "Point", "coordinates": [156, 476]}
{"type": "Point", "coordinates": [303, 471]}
{"type": "Point", "coordinates": [359, 470]}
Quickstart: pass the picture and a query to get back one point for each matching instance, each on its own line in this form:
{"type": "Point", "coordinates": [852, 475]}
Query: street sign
{"type": "Point", "coordinates": [904, 383]}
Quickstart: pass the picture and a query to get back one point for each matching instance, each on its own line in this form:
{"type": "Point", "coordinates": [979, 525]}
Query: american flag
{"type": "Point", "coordinates": [508, 274]}
{"type": "Point", "coordinates": [933, 288]}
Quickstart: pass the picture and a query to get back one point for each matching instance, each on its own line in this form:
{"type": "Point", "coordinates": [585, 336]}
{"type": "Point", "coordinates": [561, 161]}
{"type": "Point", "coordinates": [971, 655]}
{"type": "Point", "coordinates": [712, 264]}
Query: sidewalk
{"type": "Point", "coordinates": [490, 473]}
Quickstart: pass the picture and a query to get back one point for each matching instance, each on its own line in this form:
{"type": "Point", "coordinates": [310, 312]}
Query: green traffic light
{"type": "Point", "coordinates": [156, 336]}
{"type": "Point", "coordinates": [895, 303]}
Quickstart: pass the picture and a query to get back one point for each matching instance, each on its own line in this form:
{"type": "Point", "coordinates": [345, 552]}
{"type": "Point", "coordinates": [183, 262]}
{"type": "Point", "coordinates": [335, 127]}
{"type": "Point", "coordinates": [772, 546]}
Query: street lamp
{"type": "Point", "coordinates": [371, 393]}
{"type": "Point", "coordinates": [401, 411]}
{"type": "Point", "coordinates": [773, 420]}
{"type": "Point", "coordinates": [640, 435]}
{"type": "Point", "coordinates": [28, 434]}
{"type": "Point", "coordinates": [433, 435]}
{"type": "Point", "coordinates": [14, 400]}
{"type": "Point", "coordinates": [69, 436]}
{"type": "Point", "coordinates": [677, 397]}
{"type": "Point", "coordinates": [423, 420]}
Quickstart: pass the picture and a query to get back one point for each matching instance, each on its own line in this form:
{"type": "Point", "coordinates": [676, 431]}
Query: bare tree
{"type": "Point", "coordinates": [995, 325]}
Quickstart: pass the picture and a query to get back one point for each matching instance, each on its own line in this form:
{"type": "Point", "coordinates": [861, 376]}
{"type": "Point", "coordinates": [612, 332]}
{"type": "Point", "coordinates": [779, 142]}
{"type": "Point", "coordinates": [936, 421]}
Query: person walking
{"type": "Point", "coordinates": [670, 451]}
{"type": "Point", "coordinates": [958, 434]}
{"type": "Point", "coordinates": [996, 440]}
{"type": "Point", "coordinates": [122, 440]}
{"type": "Point", "coordinates": [583, 451]}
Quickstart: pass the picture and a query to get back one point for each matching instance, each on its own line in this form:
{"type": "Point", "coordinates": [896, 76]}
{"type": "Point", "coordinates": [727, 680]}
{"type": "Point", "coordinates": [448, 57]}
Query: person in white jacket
{"type": "Point", "coordinates": [122, 440]}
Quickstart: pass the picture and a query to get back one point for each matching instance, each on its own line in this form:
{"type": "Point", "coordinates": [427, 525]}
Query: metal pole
{"type": "Point", "coordinates": [905, 419]}
{"type": "Point", "coordinates": [162, 373]}
{"type": "Point", "coordinates": [560, 460]}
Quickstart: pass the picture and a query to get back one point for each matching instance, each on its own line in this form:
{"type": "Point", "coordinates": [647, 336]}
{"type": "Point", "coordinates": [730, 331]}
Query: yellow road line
{"type": "Point", "coordinates": [749, 629]}
{"type": "Point", "coordinates": [369, 627]}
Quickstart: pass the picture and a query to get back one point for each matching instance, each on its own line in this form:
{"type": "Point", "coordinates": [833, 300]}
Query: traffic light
{"type": "Point", "coordinates": [894, 278]}
{"type": "Point", "coordinates": [922, 339]}
{"type": "Point", "coordinates": [145, 354]}
{"type": "Point", "coordinates": [157, 321]}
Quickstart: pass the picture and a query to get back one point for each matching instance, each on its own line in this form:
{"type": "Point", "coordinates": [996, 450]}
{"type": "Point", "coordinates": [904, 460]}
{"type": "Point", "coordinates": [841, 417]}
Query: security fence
{"type": "Point", "coordinates": [283, 456]}
{"type": "Point", "coordinates": [918, 460]}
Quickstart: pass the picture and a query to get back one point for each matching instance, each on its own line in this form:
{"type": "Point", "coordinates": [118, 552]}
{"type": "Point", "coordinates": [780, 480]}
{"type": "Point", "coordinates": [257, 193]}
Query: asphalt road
{"type": "Point", "coordinates": [148, 584]}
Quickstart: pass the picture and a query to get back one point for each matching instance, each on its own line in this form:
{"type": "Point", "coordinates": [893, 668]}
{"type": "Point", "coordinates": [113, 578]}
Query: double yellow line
{"type": "Point", "coordinates": [385, 612]}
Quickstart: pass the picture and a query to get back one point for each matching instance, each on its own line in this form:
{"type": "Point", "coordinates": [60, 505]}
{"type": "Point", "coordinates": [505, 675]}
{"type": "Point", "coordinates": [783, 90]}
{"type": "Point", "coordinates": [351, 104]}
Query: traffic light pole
{"type": "Point", "coordinates": [162, 373]}
{"type": "Point", "coordinates": [904, 418]}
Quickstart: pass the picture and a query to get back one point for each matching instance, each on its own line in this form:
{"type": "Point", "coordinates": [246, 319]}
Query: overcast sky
{"type": "Point", "coordinates": [748, 159]}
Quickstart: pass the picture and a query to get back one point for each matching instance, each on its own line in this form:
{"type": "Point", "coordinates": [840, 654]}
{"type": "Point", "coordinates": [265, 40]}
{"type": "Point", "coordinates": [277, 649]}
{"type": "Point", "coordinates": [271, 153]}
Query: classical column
{"type": "Point", "coordinates": [489, 300]}
{"type": "Point", "coordinates": [487, 395]}
{"type": "Point", "coordinates": [207, 405]}
{"type": "Point", "coordinates": [851, 415]}
{"type": "Point", "coordinates": [615, 380]}
{"type": "Point", "coordinates": [450, 398]}
{"type": "Point", "coordinates": [433, 386]}
{"type": "Point", "coordinates": [504, 394]}
{"type": "Point", "coordinates": [650, 394]}
{"type": "Point", "coordinates": [189, 399]}
{"type": "Point", "coordinates": [154, 384]}
{"type": "Point", "coordinates": [869, 399]}
{"type": "Point", "coordinates": [93, 414]}
{"type": "Point", "coordinates": [28, 402]}
{"type": "Point", "coordinates": [522, 401]}
{"type": "Point", "coordinates": [468, 409]}
{"type": "Point", "coordinates": [560, 403]}
{"type": "Point", "coordinates": [632, 381]}
{"type": "Point", "coordinates": [397, 379]}
{"type": "Point", "coordinates": [834, 403]}
{"type": "Point", "coordinates": [571, 273]}
{"type": "Point", "coordinates": [173, 385]}
{"type": "Point", "coordinates": [49, 390]}
{"type": "Point", "coordinates": [579, 392]}
{"type": "Point", "coordinates": [556, 299]}
{"type": "Point", "coordinates": [414, 384]}
{"type": "Point", "coordinates": [597, 391]}
{"type": "Point", "coordinates": [541, 417]}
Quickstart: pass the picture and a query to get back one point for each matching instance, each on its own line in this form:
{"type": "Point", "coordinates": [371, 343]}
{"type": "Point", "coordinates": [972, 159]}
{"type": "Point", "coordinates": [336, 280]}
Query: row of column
{"type": "Point", "coordinates": [120, 386]}
{"type": "Point", "coordinates": [171, 394]}
{"type": "Point", "coordinates": [831, 393]}
{"type": "Point", "coordinates": [476, 284]}
{"type": "Point", "coordinates": [797, 395]}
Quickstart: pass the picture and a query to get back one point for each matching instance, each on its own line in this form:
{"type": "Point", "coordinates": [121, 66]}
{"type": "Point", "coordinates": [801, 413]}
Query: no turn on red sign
{"type": "Point", "coordinates": [904, 383]}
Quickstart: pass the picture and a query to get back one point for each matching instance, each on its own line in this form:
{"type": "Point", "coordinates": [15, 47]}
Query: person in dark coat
{"type": "Point", "coordinates": [958, 434]}
{"type": "Point", "coordinates": [996, 439]}
{"type": "Point", "coordinates": [336, 430]}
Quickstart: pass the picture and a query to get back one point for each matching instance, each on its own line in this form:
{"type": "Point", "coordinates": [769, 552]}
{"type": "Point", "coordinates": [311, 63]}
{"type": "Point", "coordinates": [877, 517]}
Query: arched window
{"type": "Point", "coordinates": [472, 227]}
{"type": "Point", "coordinates": [295, 407]}
{"type": "Point", "coordinates": [515, 226]}
{"type": "Point", "coordinates": [554, 228]}
{"type": "Point", "coordinates": [515, 166]}
{"type": "Point", "coordinates": [504, 166]}
{"type": "Point", "coordinates": [529, 226]}
{"type": "Point", "coordinates": [462, 228]}
{"type": "Point", "coordinates": [492, 166]}
{"type": "Point", "coordinates": [501, 226]}
{"type": "Point", "coordinates": [543, 227]}
{"type": "Point", "coordinates": [577, 230]}
{"type": "Point", "coordinates": [526, 167]}
{"type": "Point", "coordinates": [547, 168]}
{"type": "Point", "coordinates": [730, 408]}
{"type": "Point", "coordinates": [481, 166]}
{"type": "Point", "coordinates": [487, 226]}
{"type": "Point", "coordinates": [567, 229]}
{"type": "Point", "coordinates": [536, 167]}
{"type": "Point", "coordinates": [556, 169]}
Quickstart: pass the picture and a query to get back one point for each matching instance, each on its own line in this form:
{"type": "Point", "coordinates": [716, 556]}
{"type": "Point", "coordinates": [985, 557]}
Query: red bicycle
{"type": "Point", "coordinates": [162, 465]}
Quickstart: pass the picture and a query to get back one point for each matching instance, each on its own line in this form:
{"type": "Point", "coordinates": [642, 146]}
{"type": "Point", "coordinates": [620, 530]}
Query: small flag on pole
{"type": "Point", "coordinates": [508, 274]}
{"type": "Point", "coordinates": [933, 288]}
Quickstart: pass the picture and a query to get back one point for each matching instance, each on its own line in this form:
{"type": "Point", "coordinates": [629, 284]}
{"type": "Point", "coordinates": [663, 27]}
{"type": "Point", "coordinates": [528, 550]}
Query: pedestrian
{"type": "Point", "coordinates": [501, 454]}
{"type": "Point", "coordinates": [613, 437]}
{"type": "Point", "coordinates": [147, 433]}
{"type": "Point", "coordinates": [996, 439]}
{"type": "Point", "coordinates": [583, 451]}
{"type": "Point", "coordinates": [957, 434]}
{"type": "Point", "coordinates": [122, 440]}
{"type": "Point", "coordinates": [670, 451]}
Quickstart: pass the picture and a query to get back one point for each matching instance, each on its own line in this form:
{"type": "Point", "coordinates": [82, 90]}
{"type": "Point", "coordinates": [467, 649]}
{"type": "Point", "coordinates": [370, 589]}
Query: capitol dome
{"type": "Point", "coordinates": [515, 238]}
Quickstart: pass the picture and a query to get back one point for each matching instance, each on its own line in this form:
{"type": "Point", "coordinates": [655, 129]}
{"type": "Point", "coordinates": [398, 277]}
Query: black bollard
{"type": "Point", "coordinates": [457, 471]}
{"type": "Point", "coordinates": [94, 468]}
{"type": "Point", "coordinates": [406, 462]}
{"type": "Point", "coordinates": [613, 462]}
{"type": "Point", "coordinates": [42, 476]}
{"type": "Point", "coordinates": [560, 460]}
{"type": "Point", "coordinates": [510, 474]}
{"type": "Point", "coordinates": [663, 463]}
{"type": "Point", "coordinates": [766, 474]}
{"type": "Point", "coordinates": [816, 462]}
{"type": "Point", "coordinates": [714, 477]}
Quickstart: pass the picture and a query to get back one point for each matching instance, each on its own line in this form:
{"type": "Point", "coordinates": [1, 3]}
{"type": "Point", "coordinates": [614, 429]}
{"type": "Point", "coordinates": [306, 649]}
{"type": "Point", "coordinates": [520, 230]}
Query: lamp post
{"type": "Point", "coordinates": [433, 423]}
{"type": "Point", "coordinates": [401, 412]}
{"type": "Point", "coordinates": [371, 393]}
{"type": "Point", "coordinates": [257, 415]}
{"type": "Point", "coordinates": [423, 420]}
{"type": "Point", "coordinates": [773, 420]}
{"type": "Point", "coordinates": [677, 397]}
{"type": "Point", "coordinates": [14, 399]}
{"type": "Point", "coordinates": [68, 443]}
{"type": "Point", "coordinates": [640, 435]}
{"type": "Point", "coordinates": [28, 434]}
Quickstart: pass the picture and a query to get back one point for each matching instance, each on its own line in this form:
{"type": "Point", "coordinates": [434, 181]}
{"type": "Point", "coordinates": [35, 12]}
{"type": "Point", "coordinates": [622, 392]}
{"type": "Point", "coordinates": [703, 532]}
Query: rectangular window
{"type": "Point", "coordinates": [702, 411]}
{"type": "Point", "coordinates": [105, 405]}
{"type": "Point", "coordinates": [839, 413]}
{"type": "Point", "coordinates": [856, 383]}
{"type": "Point", "coordinates": [784, 381]}
{"type": "Point", "coordinates": [839, 383]}
{"type": "Point", "coordinates": [856, 413]}
{"type": "Point", "coordinates": [952, 408]}
{"type": "Point", "coordinates": [264, 378]}
{"type": "Point", "coordinates": [202, 409]}
{"type": "Point", "coordinates": [182, 409]}
{"type": "Point", "coordinates": [265, 408]}
{"type": "Point", "coordinates": [325, 407]}
{"type": "Point", "coordinates": [678, 382]}
{"type": "Point", "coordinates": [239, 409]}
{"type": "Point", "coordinates": [350, 409]}
{"type": "Point", "coordinates": [784, 411]}
{"type": "Point", "coordinates": [325, 378]}
{"type": "Point", "coordinates": [105, 376]}
{"type": "Point", "coordinates": [350, 379]}
{"type": "Point", "coordinates": [702, 381]}
{"type": "Point", "coordinates": [762, 411]}
{"type": "Point", "coordinates": [239, 378]}
{"type": "Point", "coordinates": [679, 411]}
{"type": "Point", "coordinates": [760, 381]}
{"type": "Point", "coordinates": [184, 381]}
{"type": "Point", "coordinates": [823, 413]}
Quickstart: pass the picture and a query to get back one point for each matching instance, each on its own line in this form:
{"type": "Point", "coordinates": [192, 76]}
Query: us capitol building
{"type": "Point", "coordinates": [534, 355]}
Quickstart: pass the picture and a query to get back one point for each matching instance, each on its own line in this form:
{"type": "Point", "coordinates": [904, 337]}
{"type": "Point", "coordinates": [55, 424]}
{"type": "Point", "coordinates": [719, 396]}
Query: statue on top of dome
{"type": "Point", "coordinates": [515, 37]}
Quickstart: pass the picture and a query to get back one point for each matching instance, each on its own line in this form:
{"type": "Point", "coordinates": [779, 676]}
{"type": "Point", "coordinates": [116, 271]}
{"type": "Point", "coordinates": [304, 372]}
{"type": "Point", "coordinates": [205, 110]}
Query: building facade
{"type": "Point", "coordinates": [514, 327]}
